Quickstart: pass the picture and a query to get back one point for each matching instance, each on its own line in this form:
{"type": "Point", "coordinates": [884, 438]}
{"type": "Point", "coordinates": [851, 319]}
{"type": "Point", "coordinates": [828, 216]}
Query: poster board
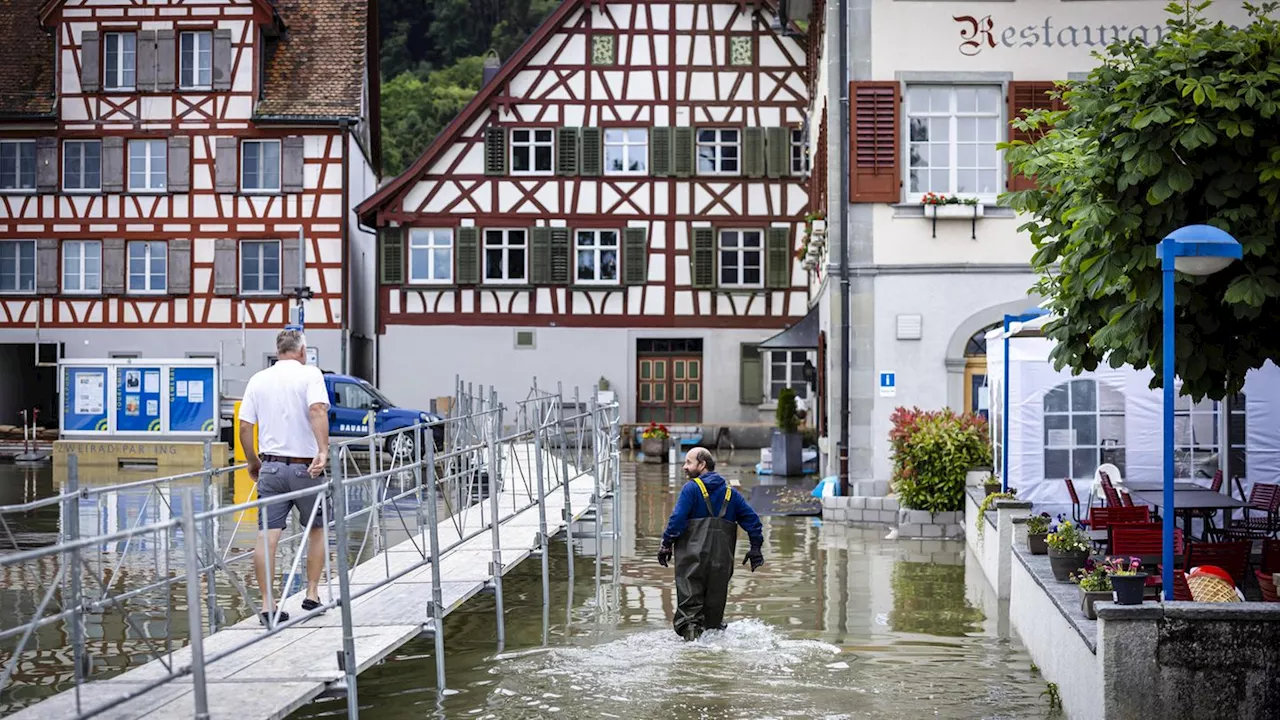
{"type": "Point", "coordinates": [126, 397]}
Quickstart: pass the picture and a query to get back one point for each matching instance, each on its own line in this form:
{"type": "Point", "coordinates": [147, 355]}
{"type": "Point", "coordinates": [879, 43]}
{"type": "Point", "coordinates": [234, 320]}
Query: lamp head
{"type": "Point", "coordinates": [1200, 249]}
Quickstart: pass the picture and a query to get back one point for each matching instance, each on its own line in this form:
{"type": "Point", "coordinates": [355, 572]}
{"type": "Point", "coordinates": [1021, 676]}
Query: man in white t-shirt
{"type": "Point", "coordinates": [289, 404]}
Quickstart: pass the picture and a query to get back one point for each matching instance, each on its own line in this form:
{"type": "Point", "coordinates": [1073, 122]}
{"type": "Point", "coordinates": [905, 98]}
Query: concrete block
{"type": "Point", "coordinates": [874, 503]}
{"type": "Point", "coordinates": [909, 530]}
{"type": "Point", "coordinates": [857, 515]}
{"type": "Point", "coordinates": [889, 517]}
{"type": "Point", "coordinates": [890, 503]}
{"type": "Point", "coordinates": [882, 487]}
{"type": "Point", "coordinates": [932, 530]}
{"type": "Point", "coordinates": [954, 531]}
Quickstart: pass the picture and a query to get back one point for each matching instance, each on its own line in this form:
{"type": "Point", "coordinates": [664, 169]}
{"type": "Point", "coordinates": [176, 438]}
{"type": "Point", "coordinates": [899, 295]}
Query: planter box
{"type": "Point", "coordinates": [654, 449]}
{"type": "Point", "coordinates": [953, 212]}
{"type": "Point", "coordinates": [605, 397]}
{"type": "Point", "coordinates": [787, 452]}
{"type": "Point", "coordinates": [1036, 543]}
{"type": "Point", "coordinates": [1087, 600]}
{"type": "Point", "coordinates": [1065, 563]}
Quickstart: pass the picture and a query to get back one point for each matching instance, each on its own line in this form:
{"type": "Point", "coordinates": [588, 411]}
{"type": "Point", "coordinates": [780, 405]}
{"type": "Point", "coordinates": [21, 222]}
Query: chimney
{"type": "Point", "coordinates": [492, 63]}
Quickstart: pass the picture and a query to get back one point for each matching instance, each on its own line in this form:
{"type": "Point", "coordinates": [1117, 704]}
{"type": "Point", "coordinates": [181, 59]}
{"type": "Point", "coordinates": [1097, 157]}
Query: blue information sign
{"type": "Point", "coordinates": [138, 399]}
{"type": "Point", "coordinates": [84, 399]}
{"type": "Point", "coordinates": [193, 400]}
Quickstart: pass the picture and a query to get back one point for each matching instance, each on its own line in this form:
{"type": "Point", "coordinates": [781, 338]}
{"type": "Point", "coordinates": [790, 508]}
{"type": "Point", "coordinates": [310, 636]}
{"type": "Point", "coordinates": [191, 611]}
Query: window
{"type": "Point", "coordinates": [430, 255]}
{"type": "Point", "coordinates": [17, 265]}
{"type": "Point", "coordinates": [717, 152]}
{"type": "Point", "coordinates": [82, 165]}
{"type": "Point", "coordinates": [119, 61]}
{"type": "Point", "coordinates": [504, 255]}
{"type": "Point", "coordinates": [17, 164]}
{"type": "Point", "coordinates": [1083, 428]}
{"type": "Point", "coordinates": [148, 267]}
{"type": "Point", "coordinates": [1197, 441]}
{"type": "Point", "coordinates": [260, 166]}
{"type": "Point", "coordinates": [626, 151]}
{"type": "Point", "coordinates": [260, 267]}
{"type": "Point", "coordinates": [741, 258]}
{"type": "Point", "coordinates": [953, 134]}
{"type": "Point", "coordinates": [147, 171]}
{"type": "Point", "coordinates": [531, 151]}
{"type": "Point", "coordinates": [81, 266]}
{"type": "Point", "coordinates": [786, 370]}
{"type": "Point", "coordinates": [352, 396]}
{"type": "Point", "coordinates": [799, 160]}
{"type": "Point", "coordinates": [196, 60]}
{"type": "Point", "coordinates": [597, 257]}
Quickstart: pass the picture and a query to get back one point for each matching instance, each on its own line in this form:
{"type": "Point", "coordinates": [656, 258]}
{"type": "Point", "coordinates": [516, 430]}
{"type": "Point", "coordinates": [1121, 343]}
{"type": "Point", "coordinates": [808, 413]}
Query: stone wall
{"type": "Point", "coordinates": [879, 510]}
{"type": "Point", "coordinates": [994, 543]}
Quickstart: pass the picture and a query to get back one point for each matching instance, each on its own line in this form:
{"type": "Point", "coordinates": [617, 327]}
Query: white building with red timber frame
{"type": "Point", "coordinates": [165, 165]}
{"type": "Point", "coordinates": [624, 200]}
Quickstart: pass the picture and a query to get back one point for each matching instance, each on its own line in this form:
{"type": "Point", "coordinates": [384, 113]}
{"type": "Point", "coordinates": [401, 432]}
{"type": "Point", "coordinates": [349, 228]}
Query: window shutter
{"type": "Point", "coordinates": [592, 152]}
{"type": "Point", "coordinates": [179, 280]}
{"type": "Point", "coordinates": [560, 265]}
{"type": "Point", "coordinates": [567, 151]}
{"type": "Point", "coordinates": [751, 375]}
{"type": "Point", "coordinates": [145, 59]}
{"type": "Point", "coordinates": [660, 151]}
{"type": "Point", "coordinates": [779, 147]}
{"type": "Point", "coordinates": [226, 273]}
{"type": "Point", "coordinates": [90, 61]}
{"type": "Point", "coordinates": [179, 161]}
{"type": "Point", "coordinates": [703, 257]}
{"type": "Point", "coordinates": [468, 252]}
{"type": "Point", "coordinates": [876, 169]}
{"type": "Point", "coordinates": [166, 59]}
{"type": "Point", "coordinates": [225, 165]}
{"type": "Point", "coordinates": [635, 255]}
{"type": "Point", "coordinates": [495, 151]}
{"type": "Point", "coordinates": [1024, 96]}
{"type": "Point", "coordinates": [540, 255]}
{"type": "Point", "coordinates": [778, 258]}
{"type": "Point", "coordinates": [391, 255]}
{"type": "Point", "coordinates": [753, 152]}
{"type": "Point", "coordinates": [291, 150]}
{"type": "Point", "coordinates": [47, 266]}
{"type": "Point", "coordinates": [112, 164]}
{"type": "Point", "coordinates": [682, 152]}
{"type": "Point", "coordinates": [222, 59]}
{"type": "Point", "coordinates": [47, 164]}
{"type": "Point", "coordinates": [290, 249]}
{"type": "Point", "coordinates": [113, 266]}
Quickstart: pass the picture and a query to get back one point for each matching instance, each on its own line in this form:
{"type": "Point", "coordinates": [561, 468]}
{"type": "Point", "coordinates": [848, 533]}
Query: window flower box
{"type": "Point", "coordinates": [953, 211]}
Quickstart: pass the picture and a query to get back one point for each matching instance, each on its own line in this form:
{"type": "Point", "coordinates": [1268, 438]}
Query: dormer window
{"type": "Point", "coordinates": [120, 58]}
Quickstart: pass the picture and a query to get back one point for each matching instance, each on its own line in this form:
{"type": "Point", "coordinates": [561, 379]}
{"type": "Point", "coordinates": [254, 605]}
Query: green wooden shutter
{"type": "Point", "coordinates": [592, 152]}
{"type": "Point", "coordinates": [468, 256]}
{"type": "Point", "coordinates": [540, 255]}
{"type": "Point", "coordinates": [391, 244]}
{"type": "Point", "coordinates": [495, 151]}
{"type": "Point", "coordinates": [560, 267]}
{"type": "Point", "coordinates": [778, 258]}
{"type": "Point", "coordinates": [703, 257]}
{"type": "Point", "coordinates": [751, 375]}
{"type": "Point", "coordinates": [753, 151]}
{"type": "Point", "coordinates": [635, 255]}
{"type": "Point", "coordinates": [567, 151]}
{"type": "Point", "coordinates": [779, 151]}
{"type": "Point", "coordinates": [660, 151]}
{"type": "Point", "coordinates": [682, 150]}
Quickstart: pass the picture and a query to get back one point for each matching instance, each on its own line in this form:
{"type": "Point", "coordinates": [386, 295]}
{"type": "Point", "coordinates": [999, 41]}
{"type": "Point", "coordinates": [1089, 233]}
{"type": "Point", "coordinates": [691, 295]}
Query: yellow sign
{"type": "Point", "coordinates": [235, 432]}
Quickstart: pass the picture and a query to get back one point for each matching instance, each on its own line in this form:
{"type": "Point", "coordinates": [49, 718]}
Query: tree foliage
{"type": "Point", "coordinates": [1186, 131]}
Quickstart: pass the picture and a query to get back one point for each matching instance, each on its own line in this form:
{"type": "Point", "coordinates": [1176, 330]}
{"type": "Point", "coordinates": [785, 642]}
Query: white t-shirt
{"type": "Point", "coordinates": [278, 400]}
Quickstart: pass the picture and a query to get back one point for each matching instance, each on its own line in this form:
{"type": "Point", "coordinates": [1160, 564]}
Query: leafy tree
{"type": "Point", "coordinates": [415, 110]}
{"type": "Point", "coordinates": [1181, 132]}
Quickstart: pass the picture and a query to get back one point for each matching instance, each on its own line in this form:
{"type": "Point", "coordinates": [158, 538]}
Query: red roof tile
{"type": "Point", "coordinates": [26, 60]}
{"type": "Point", "coordinates": [317, 67]}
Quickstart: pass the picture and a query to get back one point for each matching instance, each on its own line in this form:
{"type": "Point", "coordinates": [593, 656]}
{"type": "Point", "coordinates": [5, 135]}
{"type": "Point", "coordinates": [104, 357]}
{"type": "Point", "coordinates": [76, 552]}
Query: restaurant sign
{"type": "Point", "coordinates": [986, 33]}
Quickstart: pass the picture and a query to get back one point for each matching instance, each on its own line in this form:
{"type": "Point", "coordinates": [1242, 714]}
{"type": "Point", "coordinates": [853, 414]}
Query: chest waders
{"type": "Point", "coordinates": [704, 555]}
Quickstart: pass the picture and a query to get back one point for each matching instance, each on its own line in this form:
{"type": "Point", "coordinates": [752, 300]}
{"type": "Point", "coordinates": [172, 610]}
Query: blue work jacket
{"type": "Point", "coordinates": [690, 506]}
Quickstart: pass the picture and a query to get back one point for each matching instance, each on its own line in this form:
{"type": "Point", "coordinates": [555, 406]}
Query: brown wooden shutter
{"type": "Point", "coordinates": [876, 167]}
{"type": "Point", "coordinates": [1026, 95]}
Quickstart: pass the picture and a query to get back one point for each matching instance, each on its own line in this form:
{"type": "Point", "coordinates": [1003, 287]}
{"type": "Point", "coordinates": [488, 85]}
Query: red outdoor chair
{"type": "Point", "coordinates": [1264, 499]}
{"type": "Point", "coordinates": [1230, 556]}
{"type": "Point", "coordinates": [1127, 499]}
{"type": "Point", "coordinates": [1113, 496]}
{"type": "Point", "coordinates": [1102, 518]}
{"type": "Point", "coordinates": [1270, 556]}
{"type": "Point", "coordinates": [1142, 539]}
{"type": "Point", "coordinates": [1075, 503]}
{"type": "Point", "coordinates": [1267, 584]}
{"type": "Point", "coordinates": [1181, 588]}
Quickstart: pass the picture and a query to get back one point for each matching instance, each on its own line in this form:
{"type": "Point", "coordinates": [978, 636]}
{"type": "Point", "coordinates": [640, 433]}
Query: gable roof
{"type": "Point", "coordinates": [318, 66]}
{"type": "Point", "coordinates": [26, 61]}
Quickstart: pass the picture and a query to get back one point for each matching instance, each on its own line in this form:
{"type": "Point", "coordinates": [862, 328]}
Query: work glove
{"type": "Point", "coordinates": [755, 557]}
{"type": "Point", "coordinates": [664, 555]}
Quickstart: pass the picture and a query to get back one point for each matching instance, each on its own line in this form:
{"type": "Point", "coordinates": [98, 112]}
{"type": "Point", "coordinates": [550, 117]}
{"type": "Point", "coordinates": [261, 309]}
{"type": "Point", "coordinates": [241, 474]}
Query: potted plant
{"type": "Point", "coordinates": [1037, 531]}
{"type": "Point", "coordinates": [989, 501]}
{"type": "Point", "coordinates": [992, 485]}
{"type": "Point", "coordinates": [787, 445]}
{"type": "Point", "coordinates": [653, 443]}
{"type": "Point", "coordinates": [1094, 584]}
{"type": "Point", "coordinates": [1068, 549]}
{"type": "Point", "coordinates": [950, 206]}
{"type": "Point", "coordinates": [1127, 580]}
{"type": "Point", "coordinates": [604, 391]}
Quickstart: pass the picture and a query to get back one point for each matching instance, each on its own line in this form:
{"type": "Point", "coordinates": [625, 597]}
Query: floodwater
{"type": "Point", "coordinates": [839, 623]}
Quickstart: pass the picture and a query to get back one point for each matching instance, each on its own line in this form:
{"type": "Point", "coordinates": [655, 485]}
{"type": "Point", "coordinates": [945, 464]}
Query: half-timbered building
{"type": "Point", "coordinates": [623, 200]}
{"type": "Point", "coordinates": [171, 172]}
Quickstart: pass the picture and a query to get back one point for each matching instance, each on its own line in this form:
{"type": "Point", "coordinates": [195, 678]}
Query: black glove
{"type": "Point", "coordinates": [664, 555]}
{"type": "Point", "coordinates": [755, 556]}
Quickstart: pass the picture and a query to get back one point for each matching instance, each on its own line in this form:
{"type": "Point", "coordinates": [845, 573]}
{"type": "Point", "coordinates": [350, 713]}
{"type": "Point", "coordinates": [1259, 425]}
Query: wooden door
{"type": "Point", "coordinates": [669, 389]}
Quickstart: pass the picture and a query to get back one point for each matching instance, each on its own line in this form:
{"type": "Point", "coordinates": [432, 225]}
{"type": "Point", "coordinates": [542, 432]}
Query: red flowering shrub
{"type": "Point", "coordinates": [932, 450]}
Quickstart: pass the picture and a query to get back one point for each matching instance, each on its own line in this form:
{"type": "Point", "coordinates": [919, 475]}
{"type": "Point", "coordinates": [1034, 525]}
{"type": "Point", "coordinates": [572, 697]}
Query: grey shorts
{"type": "Point", "coordinates": [277, 478]}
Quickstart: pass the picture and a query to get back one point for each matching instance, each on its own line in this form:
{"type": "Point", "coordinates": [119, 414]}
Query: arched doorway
{"type": "Point", "coordinates": [975, 372]}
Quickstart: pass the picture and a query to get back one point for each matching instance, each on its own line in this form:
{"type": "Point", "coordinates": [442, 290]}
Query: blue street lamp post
{"type": "Point", "coordinates": [1194, 250]}
{"type": "Point", "coordinates": [1009, 321]}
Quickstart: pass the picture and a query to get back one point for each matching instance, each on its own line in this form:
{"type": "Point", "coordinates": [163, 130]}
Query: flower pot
{"type": "Point", "coordinates": [1065, 563]}
{"type": "Point", "coordinates": [788, 453]}
{"type": "Point", "coordinates": [991, 487]}
{"type": "Point", "coordinates": [1128, 588]}
{"type": "Point", "coordinates": [1036, 543]}
{"type": "Point", "coordinates": [954, 211]}
{"type": "Point", "coordinates": [654, 449]}
{"type": "Point", "coordinates": [1088, 598]}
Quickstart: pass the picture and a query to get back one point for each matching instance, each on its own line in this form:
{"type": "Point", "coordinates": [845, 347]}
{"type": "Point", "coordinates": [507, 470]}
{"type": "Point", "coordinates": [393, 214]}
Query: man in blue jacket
{"type": "Point", "coordinates": [702, 534]}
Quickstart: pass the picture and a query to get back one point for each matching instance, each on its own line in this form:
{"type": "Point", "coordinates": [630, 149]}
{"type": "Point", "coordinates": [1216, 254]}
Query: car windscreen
{"type": "Point", "coordinates": [382, 399]}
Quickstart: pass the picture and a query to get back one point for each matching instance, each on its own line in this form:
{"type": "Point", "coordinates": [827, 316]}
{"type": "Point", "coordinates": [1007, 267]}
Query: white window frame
{"type": "Point", "coordinates": [428, 241]}
{"type": "Point", "coordinates": [715, 145]}
{"type": "Point", "coordinates": [506, 247]}
{"type": "Point", "coordinates": [1098, 447]}
{"type": "Point", "coordinates": [789, 378]}
{"type": "Point", "coordinates": [17, 186]}
{"type": "Point", "coordinates": [740, 251]}
{"type": "Point", "coordinates": [80, 145]}
{"type": "Point", "coordinates": [244, 148]}
{"type": "Point", "coordinates": [81, 281]}
{"type": "Point", "coordinates": [125, 60]}
{"type": "Point", "coordinates": [201, 52]}
{"type": "Point", "coordinates": [149, 250]}
{"type": "Point", "coordinates": [11, 278]}
{"type": "Point", "coordinates": [259, 246]}
{"type": "Point", "coordinates": [953, 115]}
{"type": "Point", "coordinates": [799, 159]}
{"type": "Point", "coordinates": [622, 140]}
{"type": "Point", "coordinates": [149, 162]}
{"type": "Point", "coordinates": [596, 249]}
{"type": "Point", "coordinates": [531, 145]}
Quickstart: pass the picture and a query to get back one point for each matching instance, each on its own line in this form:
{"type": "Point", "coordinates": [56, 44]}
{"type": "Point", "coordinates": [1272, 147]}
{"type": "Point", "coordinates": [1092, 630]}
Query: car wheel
{"type": "Point", "coordinates": [402, 446]}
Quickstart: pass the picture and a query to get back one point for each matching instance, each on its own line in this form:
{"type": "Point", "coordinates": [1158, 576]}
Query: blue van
{"type": "Point", "coordinates": [352, 399]}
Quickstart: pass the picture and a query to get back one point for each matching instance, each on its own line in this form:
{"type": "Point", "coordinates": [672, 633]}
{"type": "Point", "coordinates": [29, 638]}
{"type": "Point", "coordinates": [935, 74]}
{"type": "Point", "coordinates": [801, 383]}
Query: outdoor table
{"type": "Point", "coordinates": [1187, 501]}
{"type": "Point", "coordinates": [1137, 486]}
